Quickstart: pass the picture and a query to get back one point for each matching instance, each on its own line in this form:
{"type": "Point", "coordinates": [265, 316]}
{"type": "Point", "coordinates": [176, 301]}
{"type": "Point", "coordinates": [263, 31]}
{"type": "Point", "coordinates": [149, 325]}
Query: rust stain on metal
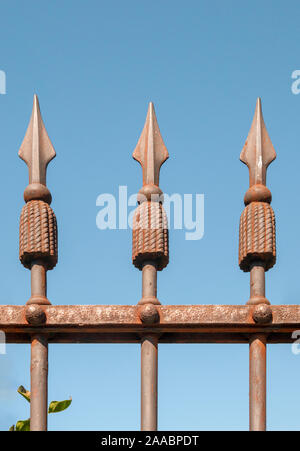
{"type": "Point", "coordinates": [262, 314]}
{"type": "Point", "coordinates": [183, 319]}
{"type": "Point", "coordinates": [149, 314]}
{"type": "Point", "coordinates": [35, 314]}
{"type": "Point", "coordinates": [207, 314]}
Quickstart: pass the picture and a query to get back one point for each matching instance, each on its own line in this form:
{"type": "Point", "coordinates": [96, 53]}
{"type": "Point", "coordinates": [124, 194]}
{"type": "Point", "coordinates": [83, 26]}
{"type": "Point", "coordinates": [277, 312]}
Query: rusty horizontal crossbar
{"type": "Point", "coordinates": [126, 324]}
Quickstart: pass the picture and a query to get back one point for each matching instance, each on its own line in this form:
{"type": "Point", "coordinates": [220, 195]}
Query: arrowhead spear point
{"type": "Point", "coordinates": [258, 151]}
{"type": "Point", "coordinates": [36, 149]}
{"type": "Point", "coordinates": [151, 151]}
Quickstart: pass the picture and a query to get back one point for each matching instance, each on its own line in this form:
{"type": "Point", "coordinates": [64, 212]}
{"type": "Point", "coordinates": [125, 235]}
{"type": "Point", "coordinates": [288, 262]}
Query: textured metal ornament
{"type": "Point", "coordinates": [257, 235]}
{"type": "Point", "coordinates": [38, 234]}
{"type": "Point", "coordinates": [150, 235]}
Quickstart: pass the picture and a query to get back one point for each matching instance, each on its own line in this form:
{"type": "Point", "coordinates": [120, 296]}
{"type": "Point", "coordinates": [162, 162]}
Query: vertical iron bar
{"type": "Point", "coordinates": [257, 282]}
{"type": "Point", "coordinates": [150, 253]}
{"type": "Point", "coordinates": [38, 237]}
{"type": "Point", "coordinates": [149, 280]}
{"type": "Point", "coordinates": [38, 279]}
{"type": "Point", "coordinates": [257, 356]}
{"type": "Point", "coordinates": [39, 358]}
{"type": "Point", "coordinates": [257, 254]}
{"type": "Point", "coordinates": [39, 385]}
{"type": "Point", "coordinates": [149, 348]}
{"type": "Point", "coordinates": [149, 357]}
{"type": "Point", "coordinates": [257, 373]}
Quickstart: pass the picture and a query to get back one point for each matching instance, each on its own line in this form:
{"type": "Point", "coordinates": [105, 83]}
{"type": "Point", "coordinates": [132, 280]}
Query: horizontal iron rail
{"type": "Point", "coordinates": [126, 324]}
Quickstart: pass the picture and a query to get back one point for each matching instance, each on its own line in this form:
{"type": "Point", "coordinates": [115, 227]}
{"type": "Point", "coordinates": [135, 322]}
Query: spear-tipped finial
{"type": "Point", "coordinates": [38, 230]}
{"type": "Point", "coordinates": [151, 151]}
{"type": "Point", "coordinates": [150, 224]}
{"type": "Point", "coordinates": [257, 247]}
{"type": "Point", "coordinates": [36, 149]}
{"type": "Point", "coordinates": [258, 151]}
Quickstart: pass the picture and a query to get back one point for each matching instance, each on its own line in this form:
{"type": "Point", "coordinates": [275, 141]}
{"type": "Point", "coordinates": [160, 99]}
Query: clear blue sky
{"type": "Point", "coordinates": [95, 66]}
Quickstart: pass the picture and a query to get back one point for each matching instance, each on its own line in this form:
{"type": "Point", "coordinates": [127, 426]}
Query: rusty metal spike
{"type": "Point", "coordinates": [36, 149]}
{"type": "Point", "coordinates": [151, 151]}
{"type": "Point", "coordinates": [258, 151]}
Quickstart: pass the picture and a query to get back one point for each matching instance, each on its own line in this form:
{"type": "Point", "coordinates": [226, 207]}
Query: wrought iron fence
{"type": "Point", "coordinates": [148, 323]}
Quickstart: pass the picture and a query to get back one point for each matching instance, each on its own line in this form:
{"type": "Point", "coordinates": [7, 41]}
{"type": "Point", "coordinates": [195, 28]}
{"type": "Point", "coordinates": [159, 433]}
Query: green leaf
{"type": "Point", "coordinates": [12, 428]}
{"type": "Point", "coordinates": [59, 406]}
{"type": "Point", "coordinates": [25, 393]}
{"type": "Point", "coordinates": [23, 425]}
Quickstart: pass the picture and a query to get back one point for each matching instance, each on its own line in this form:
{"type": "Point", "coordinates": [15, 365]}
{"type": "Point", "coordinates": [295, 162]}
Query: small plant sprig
{"type": "Point", "coordinates": [54, 406]}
